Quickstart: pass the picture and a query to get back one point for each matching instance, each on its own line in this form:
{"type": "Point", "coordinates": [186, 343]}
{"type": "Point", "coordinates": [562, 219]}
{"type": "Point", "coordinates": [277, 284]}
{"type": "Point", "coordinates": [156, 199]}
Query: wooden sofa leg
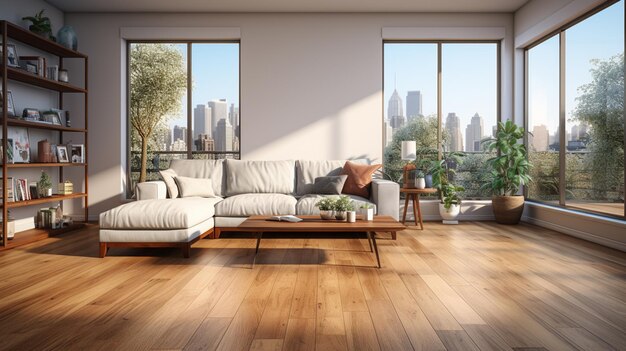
{"type": "Point", "coordinates": [103, 249]}
{"type": "Point", "coordinates": [186, 250]}
{"type": "Point", "coordinates": [216, 233]}
{"type": "Point", "coordinates": [393, 235]}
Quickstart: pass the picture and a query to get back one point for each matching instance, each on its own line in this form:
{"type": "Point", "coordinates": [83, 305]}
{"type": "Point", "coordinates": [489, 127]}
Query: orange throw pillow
{"type": "Point", "coordinates": [359, 178]}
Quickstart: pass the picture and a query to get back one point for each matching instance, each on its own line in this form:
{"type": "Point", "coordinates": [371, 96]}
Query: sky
{"type": "Point", "coordinates": [469, 71]}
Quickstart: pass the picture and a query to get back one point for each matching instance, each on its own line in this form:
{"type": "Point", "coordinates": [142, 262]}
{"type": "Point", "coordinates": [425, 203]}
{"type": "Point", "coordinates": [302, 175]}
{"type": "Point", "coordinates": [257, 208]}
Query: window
{"type": "Point", "coordinates": [584, 168]}
{"type": "Point", "coordinates": [183, 103]}
{"type": "Point", "coordinates": [468, 103]}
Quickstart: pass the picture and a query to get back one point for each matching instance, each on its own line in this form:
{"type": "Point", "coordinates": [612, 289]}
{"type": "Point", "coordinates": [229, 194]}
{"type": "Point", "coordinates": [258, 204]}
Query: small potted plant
{"type": "Point", "coordinates": [367, 211]}
{"type": "Point", "coordinates": [327, 207]}
{"type": "Point", "coordinates": [40, 25]}
{"type": "Point", "coordinates": [342, 205]}
{"type": "Point", "coordinates": [420, 182]}
{"type": "Point", "coordinates": [450, 206]}
{"type": "Point", "coordinates": [44, 185]}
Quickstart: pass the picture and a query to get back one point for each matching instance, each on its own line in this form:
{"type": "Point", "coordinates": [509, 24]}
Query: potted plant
{"type": "Point", "coordinates": [420, 182]}
{"type": "Point", "coordinates": [342, 205]}
{"type": "Point", "coordinates": [327, 207]}
{"type": "Point", "coordinates": [40, 25]}
{"type": "Point", "coordinates": [367, 212]}
{"type": "Point", "coordinates": [509, 171]}
{"type": "Point", "coordinates": [44, 185]}
{"type": "Point", "coordinates": [450, 204]}
{"type": "Point", "coordinates": [423, 161]}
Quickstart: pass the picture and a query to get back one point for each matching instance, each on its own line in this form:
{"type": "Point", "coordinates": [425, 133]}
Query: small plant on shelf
{"type": "Point", "coordinates": [44, 185]}
{"type": "Point", "coordinates": [40, 25]}
{"type": "Point", "coordinates": [342, 205]}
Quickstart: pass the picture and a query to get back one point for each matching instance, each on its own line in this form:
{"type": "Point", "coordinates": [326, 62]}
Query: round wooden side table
{"type": "Point", "coordinates": [415, 195]}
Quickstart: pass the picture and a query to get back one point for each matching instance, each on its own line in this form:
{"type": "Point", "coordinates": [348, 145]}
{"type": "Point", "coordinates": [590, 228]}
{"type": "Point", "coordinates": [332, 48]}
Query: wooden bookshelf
{"type": "Point", "coordinates": [14, 33]}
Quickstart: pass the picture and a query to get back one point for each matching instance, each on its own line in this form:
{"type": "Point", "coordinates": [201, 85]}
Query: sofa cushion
{"type": "Point", "coordinates": [359, 178]}
{"type": "Point", "coordinates": [245, 177]}
{"type": "Point", "coordinates": [308, 170]}
{"type": "Point", "coordinates": [183, 235]}
{"type": "Point", "coordinates": [306, 204]}
{"type": "Point", "coordinates": [168, 176]}
{"type": "Point", "coordinates": [160, 214]}
{"type": "Point", "coordinates": [213, 169]}
{"type": "Point", "coordinates": [190, 187]}
{"type": "Point", "coordinates": [329, 184]}
{"type": "Point", "coordinates": [256, 204]}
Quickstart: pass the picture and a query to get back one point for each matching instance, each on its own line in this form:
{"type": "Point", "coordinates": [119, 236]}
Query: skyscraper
{"type": "Point", "coordinates": [453, 127]}
{"type": "Point", "coordinates": [387, 133]}
{"type": "Point", "coordinates": [233, 116]}
{"type": "Point", "coordinates": [397, 122]}
{"type": "Point", "coordinates": [540, 138]}
{"type": "Point", "coordinates": [204, 143]}
{"type": "Point", "coordinates": [219, 110]}
{"type": "Point", "coordinates": [202, 120]}
{"type": "Point", "coordinates": [395, 106]}
{"type": "Point", "coordinates": [413, 104]}
{"type": "Point", "coordinates": [180, 133]}
{"type": "Point", "coordinates": [224, 135]}
{"type": "Point", "coordinates": [474, 133]}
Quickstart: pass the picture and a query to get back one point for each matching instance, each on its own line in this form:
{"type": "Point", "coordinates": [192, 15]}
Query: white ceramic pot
{"type": "Point", "coordinates": [327, 214]}
{"type": "Point", "coordinates": [420, 183]}
{"type": "Point", "coordinates": [368, 214]}
{"type": "Point", "coordinates": [351, 216]}
{"type": "Point", "coordinates": [341, 215]}
{"type": "Point", "coordinates": [449, 214]}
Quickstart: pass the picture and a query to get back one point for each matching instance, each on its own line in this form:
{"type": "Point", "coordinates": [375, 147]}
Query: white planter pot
{"type": "Point", "coordinates": [327, 214]}
{"type": "Point", "coordinates": [351, 216]}
{"type": "Point", "coordinates": [449, 214]}
{"type": "Point", "coordinates": [367, 214]}
{"type": "Point", "coordinates": [420, 183]}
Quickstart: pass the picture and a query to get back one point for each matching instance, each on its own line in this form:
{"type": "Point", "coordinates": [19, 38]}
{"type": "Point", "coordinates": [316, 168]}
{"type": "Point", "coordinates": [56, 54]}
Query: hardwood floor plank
{"type": "Point", "coordinates": [457, 340]}
{"type": "Point", "coordinates": [486, 338]}
{"type": "Point", "coordinates": [389, 330]}
{"type": "Point", "coordinates": [266, 345]}
{"type": "Point", "coordinates": [208, 335]}
{"type": "Point", "coordinates": [360, 332]}
{"type": "Point", "coordinates": [462, 312]}
{"type": "Point", "coordinates": [300, 335]}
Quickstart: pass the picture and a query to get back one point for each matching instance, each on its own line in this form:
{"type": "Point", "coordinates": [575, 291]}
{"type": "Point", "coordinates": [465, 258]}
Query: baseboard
{"type": "Point", "coordinates": [577, 233]}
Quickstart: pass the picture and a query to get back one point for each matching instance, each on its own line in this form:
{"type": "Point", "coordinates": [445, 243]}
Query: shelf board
{"type": "Point", "coordinates": [20, 75]}
{"type": "Point", "coordinates": [53, 198]}
{"type": "Point", "coordinates": [50, 164]}
{"type": "Point", "coordinates": [36, 234]}
{"type": "Point", "coordinates": [29, 38]}
{"type": "Point", "coordinates": [27, 124]}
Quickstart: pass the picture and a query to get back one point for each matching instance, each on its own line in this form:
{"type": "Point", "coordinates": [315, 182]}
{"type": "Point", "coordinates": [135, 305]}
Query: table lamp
{"type": "Point", "coordinates": [408, 153]}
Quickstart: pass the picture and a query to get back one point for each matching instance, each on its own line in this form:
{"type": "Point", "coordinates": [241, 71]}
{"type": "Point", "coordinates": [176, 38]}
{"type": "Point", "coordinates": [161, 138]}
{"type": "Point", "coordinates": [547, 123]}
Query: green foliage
{"type": "Point", "coordinates": [443, 175]}
{"type": "Point", "coordinates": [343, 203]}
{"type": "Point", "coordinates": [40, 24]}
{"type": "Point", "coordinates": [44, 181]}
{"type": "Point", "coordinates": [158, 80]}
{"type": "Point", "coordinates": [367, 206]}
{"type": "Point", "coordinates": [600, 105]}
{"type": "Point", "coordinates": [419, 174]}
{"type": "Point", "coordinates": [509, 169]}
{"type": "Point", "coordinates": [326, 204]}
{"type": "Point", "coordinates": [450, 195]}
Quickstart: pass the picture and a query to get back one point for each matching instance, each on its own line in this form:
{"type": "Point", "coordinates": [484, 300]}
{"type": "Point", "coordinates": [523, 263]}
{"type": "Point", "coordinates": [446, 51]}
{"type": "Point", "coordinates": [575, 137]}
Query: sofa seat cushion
{"type": "Point", "coordinates": [183, 235]}
{"type": "Point", "coordinates": [256, 204]}
{"type": "Point", "coordinates": [180, 213]}
{"type": "Point", "coordinates": [306, 204]}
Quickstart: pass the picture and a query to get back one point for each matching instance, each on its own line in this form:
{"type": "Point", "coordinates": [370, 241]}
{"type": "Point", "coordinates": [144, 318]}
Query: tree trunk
{"type": "Point", "coordinates": [144, 158]}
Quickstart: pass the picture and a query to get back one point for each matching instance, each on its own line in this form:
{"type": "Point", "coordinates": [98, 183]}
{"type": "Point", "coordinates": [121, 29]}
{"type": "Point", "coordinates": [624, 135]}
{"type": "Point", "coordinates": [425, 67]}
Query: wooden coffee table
{"type": "Point", "coordinates": [260, 225]}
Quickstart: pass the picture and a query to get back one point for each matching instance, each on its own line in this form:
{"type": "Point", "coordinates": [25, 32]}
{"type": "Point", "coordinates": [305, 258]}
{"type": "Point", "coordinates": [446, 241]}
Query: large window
{"type": "Point", "coordinates": [575, 98]}
{"type": "Point", "coordinates": [433, 98]}
{"type": "Point", "coordinates": [183, 102]}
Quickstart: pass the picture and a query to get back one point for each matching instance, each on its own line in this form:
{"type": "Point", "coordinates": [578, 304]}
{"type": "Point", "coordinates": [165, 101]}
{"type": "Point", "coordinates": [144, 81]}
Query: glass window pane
{"type": "Point", "coordinates": [469, 106]}
{"type": "Point", "coordinates": [543, 120]}
{"type": "Point", "coordinates": [215, 100]}
{"type": "Point", "coordinates": [410, 93]}
{"type": "Point", "coordinates": [595, 112]}
{"type": "Point", "coordinates": [158, 94]}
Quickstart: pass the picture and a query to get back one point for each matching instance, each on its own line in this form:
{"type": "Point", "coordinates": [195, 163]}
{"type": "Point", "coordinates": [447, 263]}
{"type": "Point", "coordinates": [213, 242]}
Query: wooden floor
{"type": "Point", "coordinates": [475, 286]}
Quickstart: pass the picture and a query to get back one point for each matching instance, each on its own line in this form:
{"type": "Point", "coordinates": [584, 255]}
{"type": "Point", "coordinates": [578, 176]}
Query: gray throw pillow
{"type": "Point", "coordinates": [168, 177]}
{"type": "Point", "coordinates": [202, 187]}
{"type": "Point", "coordinates": [329, 185]}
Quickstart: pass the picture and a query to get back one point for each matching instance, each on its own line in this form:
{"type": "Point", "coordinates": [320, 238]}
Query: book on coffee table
{"type": "Point", "coordinates": [288, 218]}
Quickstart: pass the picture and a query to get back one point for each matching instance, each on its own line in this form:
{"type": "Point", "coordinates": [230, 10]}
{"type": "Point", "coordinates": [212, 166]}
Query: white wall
{"type": "Point", "coordinates": [532, 22]}
{"type": "Point", "coordinates": [311, 84]}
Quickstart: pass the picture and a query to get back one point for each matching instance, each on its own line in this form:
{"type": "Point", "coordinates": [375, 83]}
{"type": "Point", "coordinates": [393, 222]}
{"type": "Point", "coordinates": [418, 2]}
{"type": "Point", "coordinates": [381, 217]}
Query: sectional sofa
{"type": "Point", "coordinates": [200, 198]}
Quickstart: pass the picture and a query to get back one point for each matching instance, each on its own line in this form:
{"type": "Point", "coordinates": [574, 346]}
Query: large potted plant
{"type": "Point", "coordinates": [509, 171]}
{"type": "Point", "coordinates": [450, 204]}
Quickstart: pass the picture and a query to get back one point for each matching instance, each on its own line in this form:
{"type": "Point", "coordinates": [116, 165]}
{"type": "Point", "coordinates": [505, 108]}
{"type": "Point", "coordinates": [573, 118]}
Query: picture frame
{"type": "Point", "coordinates": [32, 68]}
{"type": "Point", "coordinates": [11, 106]}
{"type": "Point", "coordinates": [51, 116]}
{"type": "Point", "coordinates": [21, 144]}
{"type": "Point", "coordinates": [54, 152]}
{"type": "Point", "coordinates": [62, 154]}
{"type": "Point", "coordinates": [9, 149]}
{"type": "Point", "coordinates": [62, 116]}
{"type": "Point", "coordinates": [13, 59]}
{"type": "Point", "coordinates": [77, 153]}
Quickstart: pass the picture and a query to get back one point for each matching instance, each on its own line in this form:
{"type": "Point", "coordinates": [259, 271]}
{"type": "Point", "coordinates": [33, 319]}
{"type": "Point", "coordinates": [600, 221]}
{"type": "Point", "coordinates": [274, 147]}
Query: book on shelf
{"type": "Point", "coordinates": [10, 193]}
{"type": "Point", "coordinates": [288, 218]}
{"type": "Point", "coordinates": [21, 190]}
{"type": "Point", "coordinates": [50, 217]}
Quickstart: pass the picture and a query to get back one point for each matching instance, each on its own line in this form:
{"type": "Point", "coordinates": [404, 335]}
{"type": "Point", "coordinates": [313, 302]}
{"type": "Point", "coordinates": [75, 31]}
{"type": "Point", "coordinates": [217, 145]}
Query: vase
{"type": "Point", "coordinates": [67, 37]}
{"type": "Point", "coordinates": [420, 183]}
{"type": "Point", "coordinates": [368, 214]}
{"type": "Point", "coordinates": [429, 180]}
{"type": "Point", "coordinates": [449, 214]}
{"type": "Point", "coordinates": [351, 216]}
{"type": "Point", "coordinates": [340, 215]}
{"type": "Point", "coordinates": [327, 214]}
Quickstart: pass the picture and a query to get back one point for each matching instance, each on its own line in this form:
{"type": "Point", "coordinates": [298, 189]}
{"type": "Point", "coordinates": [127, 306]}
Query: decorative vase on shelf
{"type": "Point", "coordinates": [341, 215]}
{"type": "Point", "coordinates": [67, 37]}
{"type": "Point", "coordinates": [420, 183]}
{"type": "Point", "coordinates": [429, 180]}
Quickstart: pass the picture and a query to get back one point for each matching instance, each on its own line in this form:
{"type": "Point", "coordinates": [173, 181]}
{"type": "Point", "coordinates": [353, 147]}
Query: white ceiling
{"type": "Point", "coordinates": [288, 5]}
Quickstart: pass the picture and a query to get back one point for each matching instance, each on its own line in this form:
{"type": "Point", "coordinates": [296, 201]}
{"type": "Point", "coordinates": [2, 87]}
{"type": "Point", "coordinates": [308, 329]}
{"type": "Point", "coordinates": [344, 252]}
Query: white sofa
{"type": "Point", "coordinates": [241, 188]}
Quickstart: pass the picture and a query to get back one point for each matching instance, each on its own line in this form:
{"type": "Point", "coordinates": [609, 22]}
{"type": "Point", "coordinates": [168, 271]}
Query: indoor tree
{"type": "Point", "coordinates": [158, 81]}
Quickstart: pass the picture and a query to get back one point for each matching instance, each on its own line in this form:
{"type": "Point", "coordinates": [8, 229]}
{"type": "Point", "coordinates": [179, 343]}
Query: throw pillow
{"type": "Point", "coordinates": [202, 187]}
{"type": "Point", "coordinates": [168, 177]}
{"type": "Point", "coordinates": [329, 185]}
{"type": "Point", "coordinates": [359, 178]}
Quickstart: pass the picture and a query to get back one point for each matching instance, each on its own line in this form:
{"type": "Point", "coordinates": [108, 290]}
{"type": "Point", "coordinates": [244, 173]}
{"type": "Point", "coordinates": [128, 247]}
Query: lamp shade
{"type": "Point", "coordinates": [408, 150]}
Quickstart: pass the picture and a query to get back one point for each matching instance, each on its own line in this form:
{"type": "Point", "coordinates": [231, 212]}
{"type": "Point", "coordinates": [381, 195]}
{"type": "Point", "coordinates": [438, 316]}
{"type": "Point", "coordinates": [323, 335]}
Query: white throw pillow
{"type": "Point", "coordinates": [168, 176]}
{"type": "Point", "coordinates": [202, 187]}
